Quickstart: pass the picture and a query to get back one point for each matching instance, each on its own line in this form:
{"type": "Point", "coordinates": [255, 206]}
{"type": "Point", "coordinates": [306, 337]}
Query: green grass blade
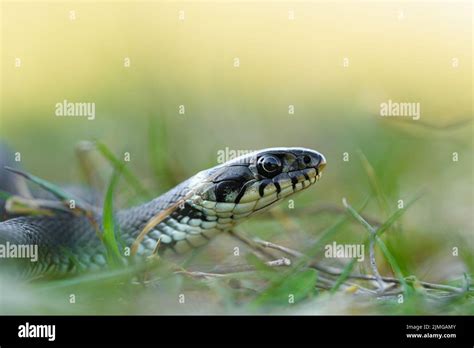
{"type": "Point", "coordinates": [395, 216]}
{"type": "Point", "coordinates": [52, 188]}
{"type": "Point", "coordinates": [393, 263]}
{"type": "Point", "coordinates": [388, 256]}
{"type": "Point", "coordinates": [330, 231]}
{"type": "Point", "coordinates": [358, 217]}
{"type": "Point", "coordinates": [108, 236]}
{"type": "Point", "coordinates": [157, 142]}
{"type": "Point", "coordinates": [292, 289]}
{"type": "Point", "coordinates": [375, 184]}
{"type": "Point", "coordinates": [126, 172]}
{"type": "Point", "coordinates": [57, 191]}
{"type": "Point", "coordinates": [344, 275]}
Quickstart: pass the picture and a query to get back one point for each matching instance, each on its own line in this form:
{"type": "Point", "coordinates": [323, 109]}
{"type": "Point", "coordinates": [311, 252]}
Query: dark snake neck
{"type": "Point", "coordinates": [79, 235]}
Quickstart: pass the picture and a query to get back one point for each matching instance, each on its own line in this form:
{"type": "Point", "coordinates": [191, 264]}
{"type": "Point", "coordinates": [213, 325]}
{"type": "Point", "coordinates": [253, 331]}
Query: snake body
{"type": "Point", "coordinates": [210, 202]}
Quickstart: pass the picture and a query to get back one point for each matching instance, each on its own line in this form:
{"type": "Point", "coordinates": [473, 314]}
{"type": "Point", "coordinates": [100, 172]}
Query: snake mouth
{"type": "Point", "coordinates": [259, 196]}
{"type": "Point", "coordinates": [290, 183]}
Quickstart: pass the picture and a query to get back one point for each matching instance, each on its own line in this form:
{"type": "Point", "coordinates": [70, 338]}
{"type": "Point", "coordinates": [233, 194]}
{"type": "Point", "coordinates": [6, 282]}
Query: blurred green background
{"type": "Point", "coordinates": [407, 52]}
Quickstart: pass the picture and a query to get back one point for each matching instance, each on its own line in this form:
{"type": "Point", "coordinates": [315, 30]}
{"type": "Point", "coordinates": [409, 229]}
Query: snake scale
{"type": "Point", "coordinates": [210, 202]}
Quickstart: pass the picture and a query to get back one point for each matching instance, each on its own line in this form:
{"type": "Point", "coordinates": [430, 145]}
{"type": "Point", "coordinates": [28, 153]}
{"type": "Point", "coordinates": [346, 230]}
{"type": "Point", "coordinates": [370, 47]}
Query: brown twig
{"type": "Point", "coordinates": [337, 272]}
{"type": "Point", "coordinates": [283, 249]}
{"type": "Point", "coordinates": [373, 234]}
{"type": "Point", "coordinates": [229, 270]}
{"type": "Point", "coordinates": [252, 244]}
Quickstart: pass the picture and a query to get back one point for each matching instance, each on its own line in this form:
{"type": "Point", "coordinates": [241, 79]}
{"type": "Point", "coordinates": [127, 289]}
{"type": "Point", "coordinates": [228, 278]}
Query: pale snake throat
{"type": "Point", "coordinates": [212, 201]}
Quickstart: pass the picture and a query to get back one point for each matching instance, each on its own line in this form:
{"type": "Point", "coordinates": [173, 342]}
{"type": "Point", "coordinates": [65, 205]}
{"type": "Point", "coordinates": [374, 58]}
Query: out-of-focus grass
{"type": "Point", "coordinates": [109, 232]}
{"type": "Point", "coordinates": [119, 165]}
{"type": "Point", "coordinates": [413, 246]}
{"type": "Point", "coordinates": [247, 108]}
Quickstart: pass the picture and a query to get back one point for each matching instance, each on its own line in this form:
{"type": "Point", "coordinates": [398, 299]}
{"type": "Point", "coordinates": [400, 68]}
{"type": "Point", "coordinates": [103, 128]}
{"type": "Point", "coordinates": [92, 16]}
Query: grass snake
{"type": "Point", "coordinates": [210, 202]}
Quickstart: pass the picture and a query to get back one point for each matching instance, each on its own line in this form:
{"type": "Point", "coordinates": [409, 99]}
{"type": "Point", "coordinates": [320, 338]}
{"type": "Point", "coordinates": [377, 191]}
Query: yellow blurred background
{"type": "Point", "coordinates": [335, 62]}
{"type": "Point", "coordinates": [237, 67]}
{"type": "Point", "coordinates": [399, 50]}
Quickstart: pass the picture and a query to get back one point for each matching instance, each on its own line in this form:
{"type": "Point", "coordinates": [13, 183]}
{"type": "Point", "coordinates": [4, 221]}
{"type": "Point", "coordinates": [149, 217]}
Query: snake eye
{"type": "Point", "coordinates": [307, 159]}
{"type": "Point", "coordinates": [269, 164]}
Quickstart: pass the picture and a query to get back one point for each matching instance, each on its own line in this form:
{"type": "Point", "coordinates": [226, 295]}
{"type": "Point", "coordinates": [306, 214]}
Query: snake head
{"type": "Point", "coordinates": [253, 183]}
